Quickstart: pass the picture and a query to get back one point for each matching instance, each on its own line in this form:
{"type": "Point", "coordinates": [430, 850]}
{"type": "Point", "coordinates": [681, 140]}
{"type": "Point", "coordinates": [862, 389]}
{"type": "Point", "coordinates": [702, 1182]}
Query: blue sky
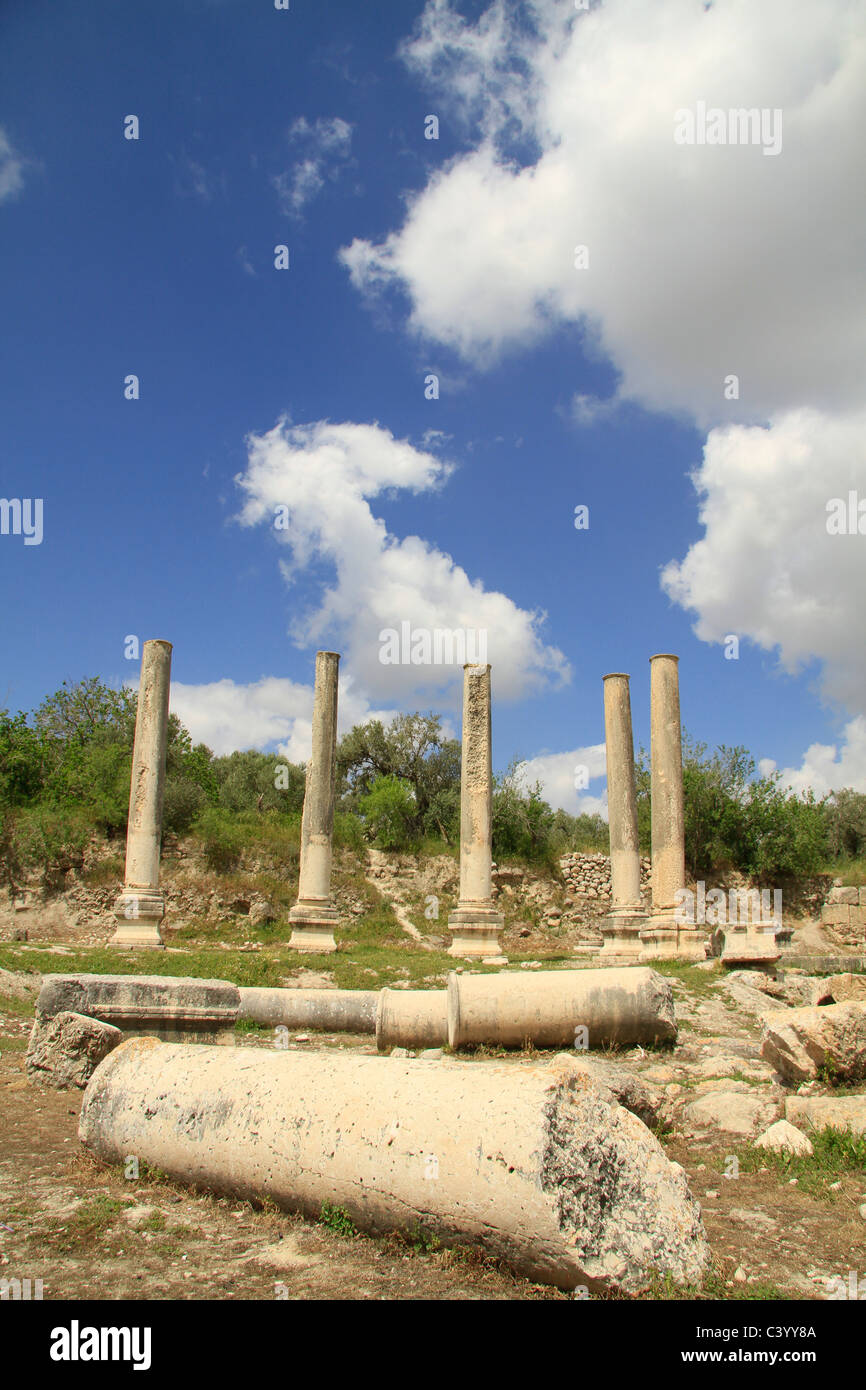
{"type": "Point", "coordinates": [558, 385]}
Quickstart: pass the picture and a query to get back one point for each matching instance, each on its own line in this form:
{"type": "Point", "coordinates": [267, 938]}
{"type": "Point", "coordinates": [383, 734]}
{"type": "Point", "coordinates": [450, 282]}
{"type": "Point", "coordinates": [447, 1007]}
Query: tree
{"type": "Point", "coordinates": [411, 749]}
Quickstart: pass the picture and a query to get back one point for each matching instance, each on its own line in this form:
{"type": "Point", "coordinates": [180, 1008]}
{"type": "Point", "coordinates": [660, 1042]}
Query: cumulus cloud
{"type": "Point", "coordinates": [558, 772]}
{"type": "Point", "coordinates": [702, 263]}
{"type": "Point", "coordinates": [11, 168]}
{"type": "Point", "coordinates": [270, 713]}
{"type": "Point", "coordinates": [321, 478]}
{"type": "Point", "coordinates": [828, 766]}
{"type": "Point", "coordinates": [324, 144]}
{"type": "Point", "coordinates": [703, 260]}
{"type": "Point", "coordinates": [767, 568]}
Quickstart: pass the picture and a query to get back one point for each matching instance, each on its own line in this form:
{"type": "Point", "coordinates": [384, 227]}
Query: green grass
{"type": "Point", "coordinates": [90, 1222]}
{"type": "Point", "coordinates": [713, 1286]}
{"type": "Point", "coordinates": [701, 981]}
{"type": "Point", "coordinates": [338, 1219]}
{"type": "Point", "coordinates": [19, 1008]}
{"type": "Point", "coordinates": [837, 1152]}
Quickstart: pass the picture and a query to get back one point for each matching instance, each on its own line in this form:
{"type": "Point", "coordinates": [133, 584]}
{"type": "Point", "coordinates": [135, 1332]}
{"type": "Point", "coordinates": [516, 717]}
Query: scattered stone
{"type": "Point", "coordinates": [862, 1211]}
{"type": "Point", "coordinates": [65, 1051]}
{"type": "Point", "coordinates": [783, 1137]}
{"type": "Point", "coordinates": [431, 1054]}
{"type": "Point", "coordinates": [399, 1052]}
{"type": "Point", "coordinates": [828, 1112]}
{"type": "Point", "coordinates": [836, 989]}
{"type": "Point", "coordinates": [731, 1111]}
{"type": "Point", "coordinates": [740, 1275]}
{"type": "Point", "coordinates": [800, 1042]}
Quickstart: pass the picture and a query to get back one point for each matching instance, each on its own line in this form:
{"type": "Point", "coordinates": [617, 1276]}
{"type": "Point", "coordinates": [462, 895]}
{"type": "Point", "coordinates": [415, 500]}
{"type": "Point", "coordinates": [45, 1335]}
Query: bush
{"type": "Point", "coordinates": [388, 809]}
{"type": "Point", "coordinates": [182, 803]}
{"type": "Point", "coordinates": [52, 841]}
{"type": "Point", "coordinates": [223, 840]}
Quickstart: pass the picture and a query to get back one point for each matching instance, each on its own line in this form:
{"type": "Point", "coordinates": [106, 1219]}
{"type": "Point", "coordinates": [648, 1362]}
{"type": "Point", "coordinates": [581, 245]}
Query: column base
{"type": "Point", "coordinates": [139, 912]}
{"type": "Point", "coordinates": [667, 939]}
{"type": "Point", "coordinates": [750, 947]}
{"type": "Point", "coordinates": [621, 931]}
{"type": "Point", "coordinates": [313, 926]}
{"type": "Point", "coordinates": [475, 929]}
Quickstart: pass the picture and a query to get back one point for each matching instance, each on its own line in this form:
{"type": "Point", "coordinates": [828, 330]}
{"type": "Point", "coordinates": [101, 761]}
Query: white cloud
{"type": "Point", "coordinates": [830, 767]}
{"type": "Point", "coordinates": [326, 143]}
{"type": "Point", "coordinates": [11, 168]}
{"type": "Point", "coordinates": [766, 567]}
{"type": "Point", "coordinates": [557, 774]}
{"type": "Point", "coordinates": [272, 711]}
{"type": "Point", "coordinates": [326, 475]}
{"type": "Point", "coordinates": [703, 260]}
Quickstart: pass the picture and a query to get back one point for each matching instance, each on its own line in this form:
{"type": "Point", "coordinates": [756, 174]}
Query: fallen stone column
{"type": "Point", "coordinates": [141, 906]}
{"type": "Point", "coordinates": [529, 1163]}
{"type": "Point", "coordinates": [625, 1006]}
{"type": "Point", "coordinates": [174, 1008]}
{"type": "Point", "coordinates": [411, 1018]}
{"type": "Point", "coordinates": [331, 1010]}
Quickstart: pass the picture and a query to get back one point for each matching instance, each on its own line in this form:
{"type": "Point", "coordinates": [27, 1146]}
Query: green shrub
{"type": "Point", "coordinates": [389, 812]}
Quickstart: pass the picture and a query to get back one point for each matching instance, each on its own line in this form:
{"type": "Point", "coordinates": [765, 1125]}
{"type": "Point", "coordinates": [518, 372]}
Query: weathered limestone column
{"type": "Point", "coordinates": [314, 916]}
{"type": "Point", "coordinates": [141, 906]}
{"type": "Point", "coordinates": [665, 936]}
{"type": "Point", "coordinates": [621, 928]}
{"type": "Point", "coordinates": [475, 923]}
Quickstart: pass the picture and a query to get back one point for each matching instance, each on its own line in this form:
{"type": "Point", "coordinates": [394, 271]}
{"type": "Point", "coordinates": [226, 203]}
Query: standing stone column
{"type": "Point", "coordinates": [314, 916]}
{"type": "Point", "coordinates": [475, 923]}
{"type": "Point", "coordinates": [141, 906]}
{"type": "Point", "coordinates": [665, 936]}
{"type": "Point", "coordinates": [621, 928]}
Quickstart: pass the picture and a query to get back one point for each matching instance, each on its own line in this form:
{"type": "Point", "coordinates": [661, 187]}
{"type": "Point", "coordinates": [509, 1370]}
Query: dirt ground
{"type": "Point", "coordinates": [87, 1232]}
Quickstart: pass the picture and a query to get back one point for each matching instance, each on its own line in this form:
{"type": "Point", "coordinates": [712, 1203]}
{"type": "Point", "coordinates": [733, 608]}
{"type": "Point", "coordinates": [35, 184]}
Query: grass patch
{"type": "Point", "coordinates": [837, 1152]}
{"type": "Point", "coordinates": [338, 1219]}
{"type": "Point", "coordinates": [713, 1286]}
{"type": "Point", "coordinates": [20, 1008]}
{"type": "Point", "coordinates": [91, 1222]}
{"type": "Point", "coordinates": [697, 980]}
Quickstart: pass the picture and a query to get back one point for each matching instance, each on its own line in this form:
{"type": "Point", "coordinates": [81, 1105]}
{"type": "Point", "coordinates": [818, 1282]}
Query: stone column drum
{"type": "Point", "coordinates": [314, 916]}
{"type": "Point", "coordinates": [665, 936]}
{"type": "Point", "coordinates": [141, 906]}
{"type": "Point", "coordinates": [475, 923]}
{"type": "Point", "coordinates": [621, 927]}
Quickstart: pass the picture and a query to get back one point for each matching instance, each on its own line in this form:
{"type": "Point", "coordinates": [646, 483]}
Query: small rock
{"type": "Point", "coordinates": [740, 1275]}
{"type": "Point", "coordinates": [399, 1052]}
{"type": "Point", "coordinates": [711, 1194]}
{"type": "Point", "coordinates": [862, 1211]}
{"type": "Point", "coordinates": [783, 1137]}
{"type": "Point", "coordinates": [432, 1054]}
{"type": "Point", "coordinates": [302, 1037]}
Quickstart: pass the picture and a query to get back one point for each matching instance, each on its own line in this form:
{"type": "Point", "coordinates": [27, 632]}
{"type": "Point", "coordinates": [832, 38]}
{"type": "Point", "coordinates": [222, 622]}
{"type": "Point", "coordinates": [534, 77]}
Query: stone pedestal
{"type": "Point", "coordinates": [755, 946]}
{"type": "Point", "coordinates": [475, 923]}
{"type": "Point", "coordinates": [622, 926]}
{"type": "Point", "coordinates": [314, 916]}
{"type": "Point", "coordinates": [141, 906]}
{"type": "Point", "coordinates": [664, 936]}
